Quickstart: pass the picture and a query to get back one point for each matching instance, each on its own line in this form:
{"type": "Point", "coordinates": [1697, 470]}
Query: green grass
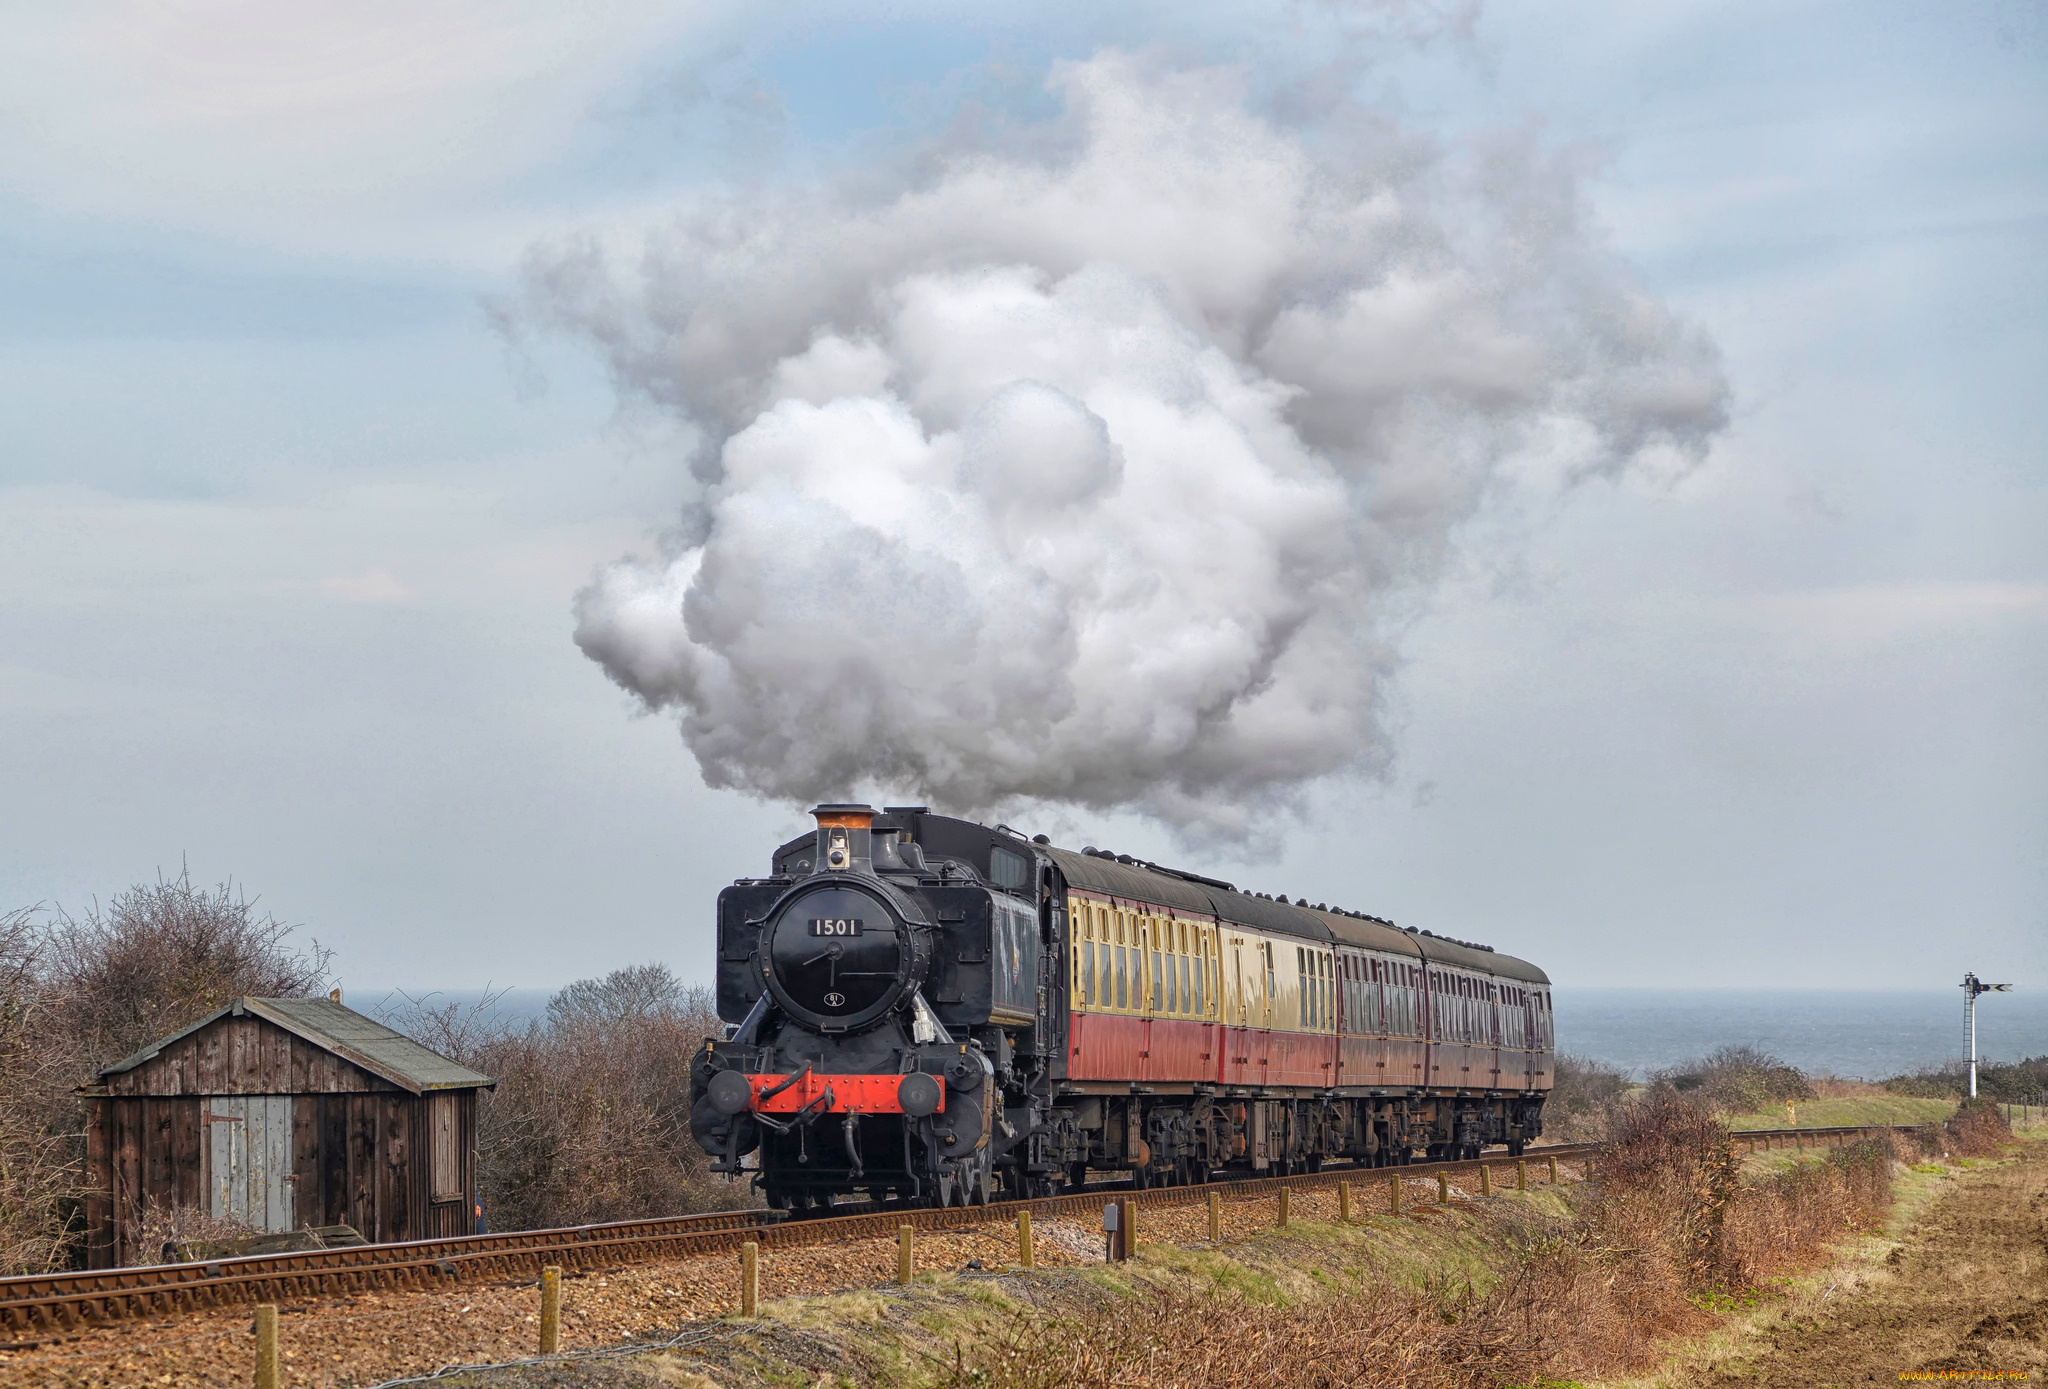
{"type": "Point", "coordinates": [1865, 1109]}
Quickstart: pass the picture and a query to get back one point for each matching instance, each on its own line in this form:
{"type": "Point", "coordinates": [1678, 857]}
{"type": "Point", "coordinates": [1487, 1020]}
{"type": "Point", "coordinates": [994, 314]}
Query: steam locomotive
{"type": "Point", "coordinates": [932, 1011]}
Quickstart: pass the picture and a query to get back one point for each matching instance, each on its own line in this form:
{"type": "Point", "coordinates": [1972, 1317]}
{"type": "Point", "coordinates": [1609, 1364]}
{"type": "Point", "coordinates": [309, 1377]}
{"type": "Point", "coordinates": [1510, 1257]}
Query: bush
{"type": "Point", "coordinates": [1737, 1080]}
{"type": "Point", "coordinates": [1583, 1099]}
{"type": "Point", "coordinates": [590, 1119]}
{"type": "Point", "coordinates": [162, 955]}
{"type": "Point", "coordinates": [40, 1160]}
{"type": "Point", "coordinates": [2015, 1082]}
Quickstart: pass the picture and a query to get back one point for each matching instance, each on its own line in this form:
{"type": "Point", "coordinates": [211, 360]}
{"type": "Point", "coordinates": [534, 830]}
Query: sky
{"type": "Point", "coordinates": [351, 437]}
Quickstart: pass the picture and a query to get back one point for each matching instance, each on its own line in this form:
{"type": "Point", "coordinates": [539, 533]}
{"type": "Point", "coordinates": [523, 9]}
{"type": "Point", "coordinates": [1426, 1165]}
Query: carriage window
{"type": "Point", "coordinates": [1172, 977]}
{"type": "Point", "coordinates": [1158, 984]}
{"type": "Point", "coordinates": [1201, 976]}
{"type": "Point", "coordinates": [1006, 869]}
{"type": "Point", "coordinates": [1123, 980]}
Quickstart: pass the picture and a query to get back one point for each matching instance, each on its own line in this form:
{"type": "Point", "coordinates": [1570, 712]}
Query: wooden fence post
{"type": "Point", "coordinates": [750, 1278]}
{"type": "Point", "coordinates": [1344, 1202]}
{"type": "Point", "coordinates": [1215, 1218]}
{"type": "Point", "coordinates": [1443, 1186]}
{"type": "Point", "coordinates": [1025, 1256]}
{"type": "Point", "coordinates": [1521, 1174]}
{"type": "Point", "coordinates": [1130, 1229]}
{"type": "Point", "coordinates": [1283, 1207]}
{"type": "Point", "coordinates": [550, 1310]}
{"type": "Point", "coordinates": [266, 1346]}
{"type": "Point", "coordinates": [1485, 1179]}
{"type": "Point", "coordinates": [906, 1253]}
{"type": "Point", "coordinates": [1553, 1171]}
{"type": "Point", "coordinates": [1394, 1194]}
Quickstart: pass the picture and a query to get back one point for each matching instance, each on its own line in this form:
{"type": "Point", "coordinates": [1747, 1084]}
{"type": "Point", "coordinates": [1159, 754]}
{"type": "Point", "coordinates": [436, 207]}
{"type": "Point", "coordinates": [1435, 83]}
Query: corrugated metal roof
{"type": "Point", "coordinates": [343, 1031]}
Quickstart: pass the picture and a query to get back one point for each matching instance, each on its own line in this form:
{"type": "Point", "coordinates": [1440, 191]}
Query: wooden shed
{"type": "Point", "coordinates": [283, 1114]}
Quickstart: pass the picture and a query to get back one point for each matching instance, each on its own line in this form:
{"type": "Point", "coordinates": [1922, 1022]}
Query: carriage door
{"type": "Point", "coordinates": [249, 1160]}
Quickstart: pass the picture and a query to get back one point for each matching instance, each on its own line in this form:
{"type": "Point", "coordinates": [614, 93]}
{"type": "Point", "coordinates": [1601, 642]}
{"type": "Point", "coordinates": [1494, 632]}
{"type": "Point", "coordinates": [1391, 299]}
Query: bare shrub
{"type": "Point", "coordinates": [1583, 1099]}
{"type": "Point", "coordinates": [1976, 1129]}
{"type": "Point", "coordinates": [163, 1228]}
{"type": "Point", "coordinates": [590, 1118]}
{"type": "Point", "coordinates": [1666, 1181]}
{"type": "Point", "coordinates": [2014, 1082]}
{"type": "Point", "coordinates": [40, 1160]}
{"type": "Point", "coordinates": [1787, 1219]}
{"type": "Point", "coordinates": [162, 955]}
{"type": "Point", "coordinates": [1737, 1080]}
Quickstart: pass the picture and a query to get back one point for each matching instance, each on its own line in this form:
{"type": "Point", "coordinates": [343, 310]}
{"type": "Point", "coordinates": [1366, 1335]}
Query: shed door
{"type": "Point", "coordinates": [249, 1160]}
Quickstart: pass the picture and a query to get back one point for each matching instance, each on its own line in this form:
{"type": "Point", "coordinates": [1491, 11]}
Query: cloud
{"type": "Point", "coordinates": [1870, 615]}
{"type": "Point", "coordinates": [372, 586]}
{"type": "Point", "coordinates": [1081, 470]}
{"type": "Point", "coordinates": [308, 124]}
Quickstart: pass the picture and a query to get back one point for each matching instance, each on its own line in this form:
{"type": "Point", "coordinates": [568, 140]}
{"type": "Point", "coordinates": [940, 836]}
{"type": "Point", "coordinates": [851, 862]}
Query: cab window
{"type": "Point", "coordinates": [1006, 869]}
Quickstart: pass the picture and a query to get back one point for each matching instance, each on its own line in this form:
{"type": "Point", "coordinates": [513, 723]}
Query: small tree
{"type": "Point", "coordinates": [162, 955]}
{"type": "Point", "coordinates": [39, 1165]}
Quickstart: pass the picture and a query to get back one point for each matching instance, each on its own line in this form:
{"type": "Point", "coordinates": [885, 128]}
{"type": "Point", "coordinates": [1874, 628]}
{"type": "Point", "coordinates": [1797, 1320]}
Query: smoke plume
{"type": "Point", "coordinates": [1080, 467]}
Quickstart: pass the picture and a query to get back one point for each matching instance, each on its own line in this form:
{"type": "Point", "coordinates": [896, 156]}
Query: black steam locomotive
{"type": "Point", "coordinates": [932, 1011]}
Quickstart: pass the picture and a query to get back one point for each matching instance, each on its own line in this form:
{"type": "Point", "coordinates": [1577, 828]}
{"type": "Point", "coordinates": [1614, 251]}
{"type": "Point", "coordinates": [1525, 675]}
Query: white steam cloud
{"type": "Point", "coordinates": [1080, 469]}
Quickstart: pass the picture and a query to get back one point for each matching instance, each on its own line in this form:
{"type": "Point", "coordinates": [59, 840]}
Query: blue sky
{"type": "Point", "coordinates": [289, 534]}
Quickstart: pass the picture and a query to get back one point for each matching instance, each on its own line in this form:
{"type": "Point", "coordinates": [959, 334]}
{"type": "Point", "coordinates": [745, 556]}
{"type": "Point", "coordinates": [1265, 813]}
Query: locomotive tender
{"type": "Point", "coordinates": [927, 1009]}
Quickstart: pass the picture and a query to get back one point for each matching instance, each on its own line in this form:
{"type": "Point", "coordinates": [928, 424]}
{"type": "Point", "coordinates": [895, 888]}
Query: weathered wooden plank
{"type": "Point", "coordinates": [279, 1210]}
{"type": "Point", "coordinates": [334, 1168]}
{"type": "Point", "coordinates": [400, 1210]}
{"type": "Point", "coordinates": [187, 1137]}
{"type": "Point", "coordinates": [210, 1064]}
{"type": "Point", "coordinates": [308, 1202]}
{"type": "Point", "coordinates": [99, 1165]}
{"type": "Point", "coordinates": [362, 1166]}
{"type": "Point", "coordinates": [159, 1159]}
{"type": "Point", "coordinates": [128, 1119]}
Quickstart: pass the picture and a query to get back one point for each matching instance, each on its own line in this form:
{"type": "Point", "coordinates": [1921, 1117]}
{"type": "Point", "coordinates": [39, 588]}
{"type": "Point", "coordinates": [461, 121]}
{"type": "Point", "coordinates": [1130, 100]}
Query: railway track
{"type": "Point", "coordinates": [43, 1303]}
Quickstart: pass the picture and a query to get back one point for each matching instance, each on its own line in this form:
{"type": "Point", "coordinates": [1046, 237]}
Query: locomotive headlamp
{"type": "Point", "coordinates": [845, 841]}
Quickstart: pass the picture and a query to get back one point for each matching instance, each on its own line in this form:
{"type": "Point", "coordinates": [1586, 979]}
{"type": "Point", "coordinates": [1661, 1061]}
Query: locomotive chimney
{"type": "Point", "coordinates": [845, 841]}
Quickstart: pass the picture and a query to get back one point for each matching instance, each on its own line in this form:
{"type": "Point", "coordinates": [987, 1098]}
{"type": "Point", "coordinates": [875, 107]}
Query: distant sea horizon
{"type": "Point", "coordinates": [1852, 1033]}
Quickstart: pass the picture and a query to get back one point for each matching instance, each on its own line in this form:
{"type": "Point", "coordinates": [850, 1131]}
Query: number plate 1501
{"type": "Point", "coordinates": [835, 926]}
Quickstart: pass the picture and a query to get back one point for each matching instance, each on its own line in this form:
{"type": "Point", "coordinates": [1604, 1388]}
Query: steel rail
{"type": "Point", "coordinates": [64, 1301]}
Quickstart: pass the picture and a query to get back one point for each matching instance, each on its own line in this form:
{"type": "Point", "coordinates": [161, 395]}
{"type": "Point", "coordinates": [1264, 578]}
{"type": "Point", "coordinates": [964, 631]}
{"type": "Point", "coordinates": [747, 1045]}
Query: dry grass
{"type": "Point", "coordinates": [1669, 1230]}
